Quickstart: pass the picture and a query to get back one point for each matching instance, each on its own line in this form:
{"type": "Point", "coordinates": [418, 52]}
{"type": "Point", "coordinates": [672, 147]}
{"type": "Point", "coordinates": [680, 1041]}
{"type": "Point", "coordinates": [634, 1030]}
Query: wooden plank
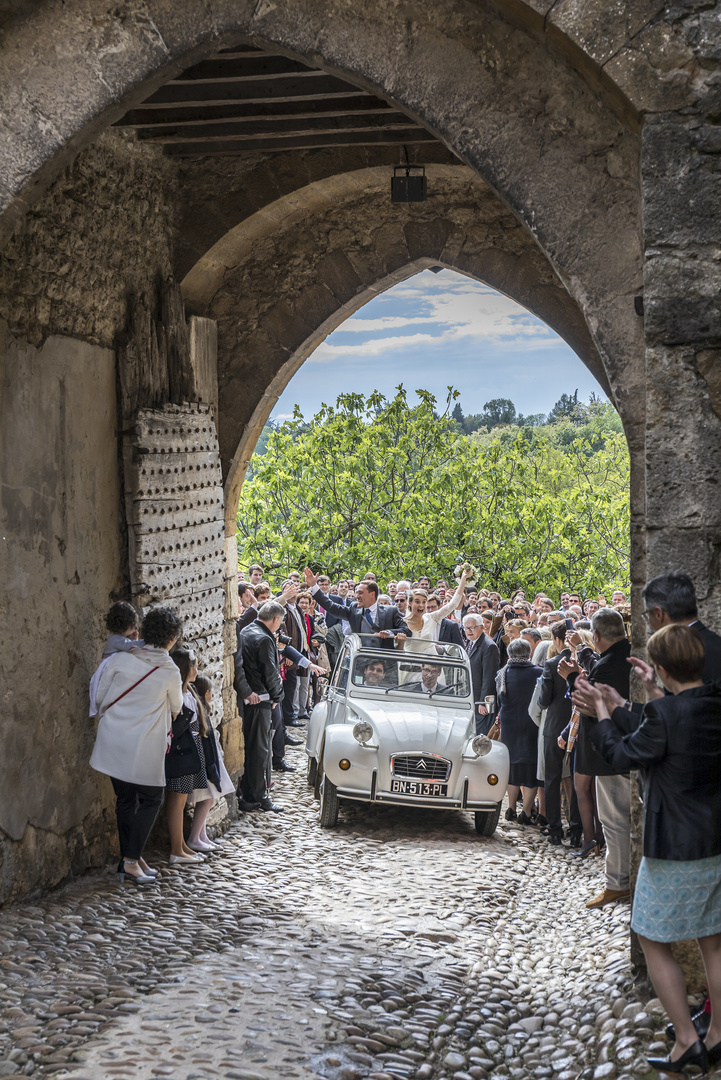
{"type": "Point", "coordinates": [355, 103]}
{"type": "Point", "coordinates": [291, 89]}
{"type": "Point", "coordinates": [261, 66]}
{"type": "Point", "coordinates": [183, 547]}
{"type": "Point", "coordinates": [149, 515]}
{"type": "Point", "coordinates": [204, 358]}
{"type": "Point", "coordinates": [306, 142]}
{"type": "Point", "coordinates": [160, 582]}
{"type": "Point", "coordinates": [240, 130]}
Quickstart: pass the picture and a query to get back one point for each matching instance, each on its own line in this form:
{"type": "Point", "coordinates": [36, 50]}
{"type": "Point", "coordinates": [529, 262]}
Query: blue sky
{"type": "Point", "coordinates": [436, 330]}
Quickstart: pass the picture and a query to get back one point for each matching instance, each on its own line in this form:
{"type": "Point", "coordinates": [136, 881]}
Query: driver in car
{"type": "Point", "coordinates": [374, 673]}
{"type": "Point", "coordinates": [430, 674]}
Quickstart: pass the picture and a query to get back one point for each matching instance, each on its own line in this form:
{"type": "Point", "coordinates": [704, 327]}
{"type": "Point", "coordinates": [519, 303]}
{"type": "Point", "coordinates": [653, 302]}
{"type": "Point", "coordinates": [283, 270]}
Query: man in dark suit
{"type": "Point", "coordinates": [428, 682]}
{"type": "Point", "coordinates": [671, 598]}
{"type": "Point", "coordinates": [608, 665]}
{"type": "Point", "coordinates": [378, 624]}
{"type": "Point", "coordinates": [485, 661]}
{"type": "Point", "coordinates": [449, 631]}
{"type": "Point", "coordinates": [262, 674]}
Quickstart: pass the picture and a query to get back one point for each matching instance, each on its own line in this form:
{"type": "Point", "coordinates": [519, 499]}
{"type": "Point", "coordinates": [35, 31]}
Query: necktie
{"type": "Point", "coordinates": [367, 615]}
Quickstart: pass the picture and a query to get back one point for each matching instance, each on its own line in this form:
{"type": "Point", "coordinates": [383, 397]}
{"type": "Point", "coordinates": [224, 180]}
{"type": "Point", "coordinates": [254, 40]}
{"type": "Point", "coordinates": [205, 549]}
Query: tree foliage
{"type": "Point", "coordinates": [383, 485]}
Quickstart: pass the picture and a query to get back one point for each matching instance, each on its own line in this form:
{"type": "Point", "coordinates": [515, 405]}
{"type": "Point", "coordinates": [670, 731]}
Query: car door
{"type": "Point", "coordinates": [339, 688]}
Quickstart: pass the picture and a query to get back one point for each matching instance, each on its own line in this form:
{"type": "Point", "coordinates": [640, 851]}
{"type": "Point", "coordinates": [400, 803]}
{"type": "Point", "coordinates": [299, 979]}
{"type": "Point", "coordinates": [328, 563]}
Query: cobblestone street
{"type": "Point", "coordinates": [400, 944]}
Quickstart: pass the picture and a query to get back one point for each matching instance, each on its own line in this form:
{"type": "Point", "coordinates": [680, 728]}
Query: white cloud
{"type": "Point", "coordinates": [456, 307]}
{"type": "Point", "coordinates": [375, 347]}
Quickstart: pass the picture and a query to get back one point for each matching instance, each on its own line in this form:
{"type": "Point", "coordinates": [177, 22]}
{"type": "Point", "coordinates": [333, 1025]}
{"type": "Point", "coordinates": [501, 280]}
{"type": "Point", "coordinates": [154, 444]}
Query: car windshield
{"type": "Point", "coordinates": [429, 676]}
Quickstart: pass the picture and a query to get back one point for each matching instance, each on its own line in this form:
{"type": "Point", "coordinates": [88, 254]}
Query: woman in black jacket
{"type": "Point", "coordinates": [677, 747]}
{"type": "Point", "coordinates": [515, 683]}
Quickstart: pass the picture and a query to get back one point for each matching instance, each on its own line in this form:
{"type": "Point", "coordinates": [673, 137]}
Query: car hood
{"type": "Point", "coordinates": [405, 727]}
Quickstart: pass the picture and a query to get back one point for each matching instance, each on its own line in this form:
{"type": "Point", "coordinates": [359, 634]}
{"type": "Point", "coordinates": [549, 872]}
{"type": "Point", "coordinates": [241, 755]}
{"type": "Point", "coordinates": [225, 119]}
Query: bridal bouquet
{"type": "Point", "coordinates": [469, 569]}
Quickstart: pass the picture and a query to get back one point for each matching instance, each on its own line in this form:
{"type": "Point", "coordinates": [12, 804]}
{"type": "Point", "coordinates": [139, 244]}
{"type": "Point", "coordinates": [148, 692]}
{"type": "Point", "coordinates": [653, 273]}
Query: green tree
{"type": "Point", "coordinates": [498, 411]}
{"type": "Point", "coordinates": [383, 485]}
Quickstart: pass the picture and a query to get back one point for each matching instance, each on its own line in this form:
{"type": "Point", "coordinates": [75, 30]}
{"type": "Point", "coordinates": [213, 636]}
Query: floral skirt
{"type": "Point", "coordinates": [677, 901]}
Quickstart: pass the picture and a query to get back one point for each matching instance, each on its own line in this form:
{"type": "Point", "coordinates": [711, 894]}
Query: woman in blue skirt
{"type": "Point", "coordinates": [677, 747]}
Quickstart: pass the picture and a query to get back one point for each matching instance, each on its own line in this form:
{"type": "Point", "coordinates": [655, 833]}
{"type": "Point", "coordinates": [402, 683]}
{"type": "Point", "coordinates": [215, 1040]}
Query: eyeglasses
{"type": "Point", "coordinates": [648, 613]}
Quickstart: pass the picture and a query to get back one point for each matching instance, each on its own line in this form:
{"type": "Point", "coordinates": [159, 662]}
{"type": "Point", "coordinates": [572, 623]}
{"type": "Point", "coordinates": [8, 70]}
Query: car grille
{"type": "Point", "coordinates": [420, 766]}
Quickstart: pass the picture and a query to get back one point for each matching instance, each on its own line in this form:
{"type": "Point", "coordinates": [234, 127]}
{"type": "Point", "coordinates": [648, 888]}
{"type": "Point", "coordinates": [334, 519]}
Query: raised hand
{"type": "Point", "coordinates": [311, 579]}
{"type": "Point", "coordinates": [565, 667]}
{"type": "Point", "coordinates": [647, 676]}
{"type": "Point", "coordinates": [612, 697]}
{"type": "Point", "coordinates": [290, 591]}
{"type": "Point", "coordinates": [588, 698]}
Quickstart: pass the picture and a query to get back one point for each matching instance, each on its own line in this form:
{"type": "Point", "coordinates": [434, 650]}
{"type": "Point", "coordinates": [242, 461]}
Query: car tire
{"type": "Point", "coordinates": [328, 804]}
{"type": "Point", "coordinates": [487, 820]}
{"type": "Point", "coordinates": [312, 771]}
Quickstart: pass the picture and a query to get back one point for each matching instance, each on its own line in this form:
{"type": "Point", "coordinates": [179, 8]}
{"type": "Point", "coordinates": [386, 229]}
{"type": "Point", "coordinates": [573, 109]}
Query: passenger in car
{"type": "Point", "coordinates": [429, 681]}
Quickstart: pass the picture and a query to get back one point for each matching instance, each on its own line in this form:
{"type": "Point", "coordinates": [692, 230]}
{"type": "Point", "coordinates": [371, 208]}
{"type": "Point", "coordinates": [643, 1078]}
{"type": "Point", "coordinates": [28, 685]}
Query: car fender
{"type": "Point", "coordinates": [316, 726]}
{"type": "Point", "coordinates": [340, 744]}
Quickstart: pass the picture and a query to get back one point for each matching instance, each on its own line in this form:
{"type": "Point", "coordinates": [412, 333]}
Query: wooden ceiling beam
{"type": "Point", "coordinates": [223, 69]}
{"type": "Point", "coordinates": [292, 89]}
{"type": "Point", "coordinates": [283, 129]}
{"type": "Point", "coordinates": [407, 137]}
{"type": "Point", "coordinates": [300, 109]}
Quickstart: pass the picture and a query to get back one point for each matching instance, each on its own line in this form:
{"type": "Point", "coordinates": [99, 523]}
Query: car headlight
{"type": "Point", "coordinates": [363, 732]}
{"type": "Point", "coordinates": [481, 745]}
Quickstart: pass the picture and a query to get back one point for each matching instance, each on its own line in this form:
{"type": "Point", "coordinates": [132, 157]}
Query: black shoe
{"type": "Point", "coordinates": [293, 723]}
{"type": "Point", "coordinates": [695, 1055]}
{"type": "Point", "coordinates": [523, 819]}
{"type": "Point", "coordinates": [246, 807]}
{"type": "Point", "coordinates": [714, 1052]}
{"type": "Point", "coordinates": [591, 848]}
{"type": "Point", "coordinates": [293, 742]}
{"type": "Point", "coordinates": [701, 1021]}
{"type": "Point", "coordinates": [575, 840]}
{"type": "Point", "coordinates": [511, 814]}
{"type": "Point", "coordinates": [541, 820]}
{"type": "Point", "coordinates": [268, 804]}
{"type": "Point", "coordinates": [555, 839]}
{"type": "Point", "coordinates": [303, 716]}
{"type": "Point", "coordinates": [283, 766]}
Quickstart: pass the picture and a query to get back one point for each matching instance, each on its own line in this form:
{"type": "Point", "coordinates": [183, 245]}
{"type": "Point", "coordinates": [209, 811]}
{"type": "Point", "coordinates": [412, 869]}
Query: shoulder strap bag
{"type": "Point", "coordinates": [131, 688]}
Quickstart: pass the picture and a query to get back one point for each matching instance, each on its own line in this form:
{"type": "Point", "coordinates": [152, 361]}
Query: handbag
{"type": "Point", "coordinates": [495, 732]}
{"type": "Point", "coordinates": [183, 757]}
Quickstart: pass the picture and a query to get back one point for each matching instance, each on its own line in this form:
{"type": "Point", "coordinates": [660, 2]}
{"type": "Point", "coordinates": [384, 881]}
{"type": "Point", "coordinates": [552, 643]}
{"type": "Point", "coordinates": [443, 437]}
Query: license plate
{"type": "Point", "coordinates": [413, 787]}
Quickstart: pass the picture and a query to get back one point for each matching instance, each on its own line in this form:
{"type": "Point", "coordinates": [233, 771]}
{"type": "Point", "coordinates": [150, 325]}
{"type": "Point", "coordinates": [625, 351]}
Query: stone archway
{"type": "Point", "coordinates": [594, 126]}
{"type": "Point", "coordinates": [281, 280]}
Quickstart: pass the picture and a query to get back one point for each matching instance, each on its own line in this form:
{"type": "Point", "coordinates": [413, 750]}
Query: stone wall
{"type": "Point", "coordinates": [104, 229]}
{"type": "Point", "coordinates": [62, 563]}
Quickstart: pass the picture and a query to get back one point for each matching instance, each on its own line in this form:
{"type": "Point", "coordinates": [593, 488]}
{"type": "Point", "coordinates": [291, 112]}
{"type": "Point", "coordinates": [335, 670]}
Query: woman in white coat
{"type": "Point", "coordinates": [137, 697]}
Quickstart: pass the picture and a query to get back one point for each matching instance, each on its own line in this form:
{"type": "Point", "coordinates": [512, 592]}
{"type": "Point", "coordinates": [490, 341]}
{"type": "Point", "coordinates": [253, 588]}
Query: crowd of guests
{"type": "Point", "coordinates": [552, 681]}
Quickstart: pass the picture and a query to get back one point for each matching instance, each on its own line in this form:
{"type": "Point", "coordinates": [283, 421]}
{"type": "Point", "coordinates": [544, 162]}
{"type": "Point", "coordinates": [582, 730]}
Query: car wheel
{"type": "Point", "coordinates": [312, 771]}
{"type": "Point", "coordinates": [328, 804]}
{"type": "Point", "coordinates": [487, 820]}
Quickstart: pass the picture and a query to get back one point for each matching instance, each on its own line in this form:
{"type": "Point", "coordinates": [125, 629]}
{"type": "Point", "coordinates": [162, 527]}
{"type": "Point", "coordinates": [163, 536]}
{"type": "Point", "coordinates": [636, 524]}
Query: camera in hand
{"type": "Point", "coordinates": [284, 639]}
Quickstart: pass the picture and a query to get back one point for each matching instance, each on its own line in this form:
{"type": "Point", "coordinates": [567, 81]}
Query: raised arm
{"type": "Point", "coordinates": [454, 602]}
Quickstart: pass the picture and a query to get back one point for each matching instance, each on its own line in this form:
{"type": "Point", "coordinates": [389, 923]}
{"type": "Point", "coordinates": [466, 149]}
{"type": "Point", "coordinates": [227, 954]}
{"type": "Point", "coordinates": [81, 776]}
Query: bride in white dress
{"type": "Point", "coordinates": [424, 624]}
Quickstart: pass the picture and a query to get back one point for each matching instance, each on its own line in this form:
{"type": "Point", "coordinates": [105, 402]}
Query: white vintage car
{"type": "Point", "coordinates": [399, 728]}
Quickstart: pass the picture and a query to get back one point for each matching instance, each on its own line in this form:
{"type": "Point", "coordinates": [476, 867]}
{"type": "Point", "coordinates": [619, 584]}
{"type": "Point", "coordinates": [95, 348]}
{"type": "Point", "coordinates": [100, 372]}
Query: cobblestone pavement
{"type": "Point", "coordinates": [399, 945]}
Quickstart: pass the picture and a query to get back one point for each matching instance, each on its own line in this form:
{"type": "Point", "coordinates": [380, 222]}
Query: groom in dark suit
{"type": "Point", "coordinates": [364, 615]}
